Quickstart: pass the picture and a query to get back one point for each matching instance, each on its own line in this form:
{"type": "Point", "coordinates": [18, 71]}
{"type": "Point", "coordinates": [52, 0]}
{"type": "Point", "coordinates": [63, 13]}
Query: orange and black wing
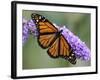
{"type": "Point", "coordinates": [46, 27]}
{"type": "Point", "coordinates": [64, 47]}
{"type": "Point", "coordinates": [46, 41]}
{"type": "Point", "coordinates": [66, 51]}
{"type": "Point", "coordinates": [53, 50]}
{"type": "Point", "coordinates": [61, 48]}
{"type": "Point", "coordinates": [46, 30]}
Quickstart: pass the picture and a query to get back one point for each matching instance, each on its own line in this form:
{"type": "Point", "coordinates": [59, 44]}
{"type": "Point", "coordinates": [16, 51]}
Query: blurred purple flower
{"type": "Point", "coordinates": [28, 27]}
{"type": "Point", "coordinates": [79, 48]}
{"type": "Point", "coordinates": [25, 32]}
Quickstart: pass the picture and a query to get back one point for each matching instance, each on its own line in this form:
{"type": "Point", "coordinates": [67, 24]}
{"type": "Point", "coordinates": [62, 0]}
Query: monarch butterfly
{"type": "Point", "coordinates": [50, 37]}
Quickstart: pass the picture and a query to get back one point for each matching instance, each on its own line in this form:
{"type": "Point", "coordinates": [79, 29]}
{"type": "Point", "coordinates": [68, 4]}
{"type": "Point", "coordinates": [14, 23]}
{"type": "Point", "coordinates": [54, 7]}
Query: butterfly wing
{"type": "Point", "coordinates": [46, 30]}
{"type": "Point", "coordinates": [43, 25]}
{"type": "Point", "coordinates": [46, 27]}
{"type": "Point", "coordinates": [47, 34]}
{"type": "Point", "coordinates": [61, 48]}
{"type": "Point", "coordinates": [46, 40]}
{"type": "Point", "coordinates": [64, 47]}
{"type": "Point", "coordinates": [53, 50]}
{"type": "Point", "coordinates": [66, 51]}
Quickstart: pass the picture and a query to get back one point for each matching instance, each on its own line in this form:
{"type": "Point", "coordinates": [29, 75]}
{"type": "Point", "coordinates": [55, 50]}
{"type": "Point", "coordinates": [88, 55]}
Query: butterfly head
{"type": "Point", "coordinates": [37, 17]}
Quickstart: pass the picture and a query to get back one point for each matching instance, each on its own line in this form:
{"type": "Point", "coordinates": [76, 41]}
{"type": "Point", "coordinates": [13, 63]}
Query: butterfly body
{"type": "Point", "coordinates": [50, 37]}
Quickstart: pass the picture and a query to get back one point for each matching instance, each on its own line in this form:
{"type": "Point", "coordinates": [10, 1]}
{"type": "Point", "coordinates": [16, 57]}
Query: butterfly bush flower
{"type": "Point", "coordinates": [28, 27]}
{"type": "Point", "coordinates": [79, 48]}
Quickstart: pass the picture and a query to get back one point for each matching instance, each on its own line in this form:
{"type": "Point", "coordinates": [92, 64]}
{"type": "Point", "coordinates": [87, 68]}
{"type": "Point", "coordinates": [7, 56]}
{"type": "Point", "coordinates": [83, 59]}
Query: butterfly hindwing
{"type": "Point", "coordinates": [71, 58]}
{"type": "Point", "coordinates": [64, 47]}
{"type": "Point", "coordinates": [60, 47]}
{"type": "Point", "coordinates": [45, 40]}
{"type": "Point", "coordinates": [53, 49]}
{"type": "Point", "coordinates": [66, 51]}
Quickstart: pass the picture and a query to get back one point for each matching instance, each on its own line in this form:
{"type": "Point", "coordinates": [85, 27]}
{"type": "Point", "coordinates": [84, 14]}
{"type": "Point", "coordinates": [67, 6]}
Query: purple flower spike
{"type": "Point", "coordinates": [79, 48]}
{"type": "Point", "coordinates": [28, 27]}
{"type": "Point", "coordinates": [25, 32]}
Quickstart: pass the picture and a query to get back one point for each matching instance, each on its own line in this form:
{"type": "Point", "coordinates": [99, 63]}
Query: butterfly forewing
{"type": "Point", "coordinates": [46, 31]}
{"type": "Point", "coordinates": [46, 27]}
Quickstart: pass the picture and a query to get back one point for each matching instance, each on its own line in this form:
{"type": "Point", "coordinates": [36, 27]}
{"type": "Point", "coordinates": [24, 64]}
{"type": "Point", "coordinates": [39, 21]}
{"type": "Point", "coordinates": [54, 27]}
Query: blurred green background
{"type": "Point", "coordinates": [34, 57]}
